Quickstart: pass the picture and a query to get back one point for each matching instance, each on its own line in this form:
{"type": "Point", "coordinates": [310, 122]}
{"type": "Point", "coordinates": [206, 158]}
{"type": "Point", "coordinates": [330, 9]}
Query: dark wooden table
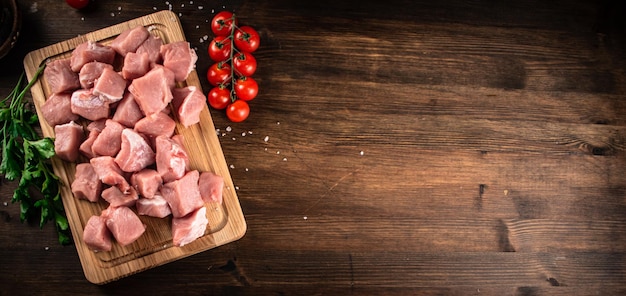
{"type": "Point", "coordinates": [415, 147]}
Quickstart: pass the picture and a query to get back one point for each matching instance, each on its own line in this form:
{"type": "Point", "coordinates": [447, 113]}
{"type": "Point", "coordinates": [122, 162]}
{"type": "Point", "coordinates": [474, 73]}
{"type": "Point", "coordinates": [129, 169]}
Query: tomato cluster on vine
{"type": "Point", "coordinates": [231, 49]}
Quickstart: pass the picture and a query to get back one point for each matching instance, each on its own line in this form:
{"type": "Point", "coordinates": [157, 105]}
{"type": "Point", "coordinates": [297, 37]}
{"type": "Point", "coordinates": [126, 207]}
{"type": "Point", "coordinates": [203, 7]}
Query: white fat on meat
{"type": "Point", "coordinates": [187, 229]}
{"type": "Point", "coordinates": [183, 195]}
{"type": "Point", "coordinates": [68, 138]}
{"type": "Point", "coordinates": [124, 224]}
{"type": "Point", "coordinates": [156, 207]}
{"type": "Point", "coordinates": [86, 184]}
{"type": "Point", "coordinates": [135, 154]}
{"type": "Point", "coordinates": [88, 105]}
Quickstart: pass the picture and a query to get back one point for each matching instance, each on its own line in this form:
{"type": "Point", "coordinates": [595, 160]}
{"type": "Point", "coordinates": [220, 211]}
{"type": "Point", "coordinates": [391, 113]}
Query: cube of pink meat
{"type": "Point", "coordinates": [189, 228]}
{"type": "Point", "coordinates": [188, 102]}
{"type": "Point", "coordinates": [97, 125]}
{"type": "Point", "coordinates": [86, 184]}
{"type": "Point", "coordinates": [88, 105]}
{"type": "Point", "coordinates": [127, 111]}
{"type": "Point", "coordinates": [183, 195]}
{"type": "Point", "coordinates": [90, 51]}
{"type": "Point", "coordinates": [129, 40]}
{"type": "Point", "coordinates": [90, 72]}
{"type": "Point", "coordinates": [109, 141]}
{"type": "Point", "coordinates": [60, 76]}
{"type": "Point", "coordinates": [147, 182]}
{"type": "Point", "coordinates": [68, 138]}
{"type": "Point", "coordinates": [85, 146]}
{"type": "Point", "coordinates": [180, 58]}
{"type": "Point", "coordinates": [211, 187]}
{"type": "Point", "coordinates": [124, 224]}
{"type": "Point", "coordinates": [96, 235]}
{"type": "Point", "coordinates": [153, 207]}
{"type": "Point", "coordinates": [109, 172]}
{"type": "Point", "coordinates": [116, 198]}
{"type": "Point", "coordinates": [156, 125]}
{"type": "Point", "coordinates": [110, 86]}
{"type": "Point", "coordinates": [153, 91]}
{"type": "Point", "coordinates": [136, 153]}
{"type": "Point", "coordinates": [172, 160]}
{"type": "Point", "coordinates": [152, 47]}
{"type": "Point", "coordinates": [135, 65]}
{"type": "Point", "coordinates": [57, 109]}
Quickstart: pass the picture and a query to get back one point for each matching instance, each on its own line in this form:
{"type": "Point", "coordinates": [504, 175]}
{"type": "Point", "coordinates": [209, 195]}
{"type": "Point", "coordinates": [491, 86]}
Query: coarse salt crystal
{"type": "Point", "coordinates": [277, 152]}
{"type": "Point", "coordinates": [154, 8]}
{"type": "Point", "coordinates": [5, 203]}
{"type": "Point", "coordinates": [267, 138]}
{"type": "Point", "coordinates": [305, 217]}
{"type": "Point", "coordinates": [236, 187]}
{"type": "Point", "coordinates": [197, 27]}
{"type": "Point", "coordinates": [46, 248]}
{"type": "Point", "coordinates": [246, 171]}
{"type": "Point", "coordinates": [228, 128]}
{"type": "Point", "coordinates": [182, 5]}
{"type": "Point", "coordinates": [361, 153]}
{"type": "Point", "coordinates": [119, 8]}
{"type": "Point", "coordinates": [200, 7]}
{"type": "Point", "coordinates": [232, 166]}
{"type": "Point", "coordinates": [191, 2]}
{"type": "Point", "coordinates": [112, 14]}
{"type": "Point", "coordinates": [234, 139]}
{"type": "Point", "coordinates": [285, 159]}
{"type": "Point", "coordinates": [243, 134]}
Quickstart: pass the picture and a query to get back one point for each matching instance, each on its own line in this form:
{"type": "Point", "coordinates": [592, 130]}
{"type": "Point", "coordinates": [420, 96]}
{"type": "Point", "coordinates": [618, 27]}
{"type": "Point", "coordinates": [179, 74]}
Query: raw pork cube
{"type": "Point", "coordinates": [211, 187]}
{"type": "Point", "coordinates": [156, 125]}
{"type": "Point", "coordinates": [116, 198]}
{"type": "Point", "coordinates": [86, 184]}
{"type": "Point", "coordinates": [96, 235]}
{"type": "Point", "coordinates": [183, 195]}
{"type": "Point", "coordinates": [97, 125]}
{"type": "Point", "coordinates": [189, 228]}
{"type": "Point", "coordinates": [127, 111]}
{"type": "Point", "coordinates": [88, 105]}
{"type": "Point", "coordinates": [152, 47]}
{"type": "Point", "coordinates": [153, 207]}
{"type": "Point", "coordinates": [172, 160]}
{"type": "Point", "coordinates": [90, 51]}
{"type": "Point", "coordinates": [90, 72]}
{"type": "Point", "coordinates": [109, 141]}
{"type": "Point", "coordinates": [135, 65]}
{"type": "Point", "coordinates": [110, 86]}
{"type": "Point", "coordinates": [124, 224]}
{"type": "Point", "coordinates": [136, 153]}
{"type": "Point", "coordinates": [60, 76]}
{"type": "Point", "coordinates": [109, 172]}
{"type": "Point", "coordinates": [153, 91]}
{"type": "Point", "coordinates": [130, 40]}
{"type": "Point", "coordinates": [85, 147]}
{"type": "Point", "coordinates": [147, 182]}
{"type": "Point", "coordinates": [180, 58]}
{"type": "Point", "coordinates": [57, 109]}
{"type": "Point", "coordinates": [67, 140]}
{"type": "Point", "coordinates": [188, 102]}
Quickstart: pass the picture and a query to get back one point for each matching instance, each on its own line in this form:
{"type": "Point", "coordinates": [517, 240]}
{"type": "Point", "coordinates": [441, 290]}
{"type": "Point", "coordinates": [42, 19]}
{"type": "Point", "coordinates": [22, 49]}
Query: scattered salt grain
{"type": "Point", "coordinates": [285, 159]}
{"type": "Point", "coordinates": [228, 128]}
{"type": "Point", "coordinates": [277, 152]}
{"type": "Point", "coordinates": [243, 134]}
{"type": "Point", "coordinates": [212, 10]}
{"type": "Point", "coordinates": [265, 149]}
{"type": "Point", "coordinates": [5, 203]}
{"type": "Point", "coordinates": [200, 7]}
{"type": "Point", "coordinates": [191, 2]}
{"type": "Point", "coordinates": [267, 138]}
{"type": "Point", "coordinates": [182, 5]}
{"type": "Point", "coordinates": [361, 153]}
{"type": "Point", "coordinates": [232, 166]}
{"type": "Point", "coordinates": [236, 187]}
{"type": "Point", "coordinates": [249, 132]}
{"type": "Point", "coordinates": [112, 13]}
{"type": "Point", "coordinates": [305, 217]}
{"type": "Point", "coordinates": [205, 37]}
{"type": "Point", "coordinates": [82, 18]}
{"type": "Point", "coordinates": [180, 14]}
{"type": "Point", "coordinates": [197, 27]}
{"type": "Point", "coordinates": [234, 139]}
{"type": "Point", "coordinates": [246, 171]}
{"type": "Point", "coordinates": [119, 8]}
{"type": "Point", "coordinates": [46, 248]}
{"type": "Point", "coordinates": [277, 122]}
{"type": "Point", "coordinates": [33, 8]}
{"type": "Point", "coordinates": [154, 8]}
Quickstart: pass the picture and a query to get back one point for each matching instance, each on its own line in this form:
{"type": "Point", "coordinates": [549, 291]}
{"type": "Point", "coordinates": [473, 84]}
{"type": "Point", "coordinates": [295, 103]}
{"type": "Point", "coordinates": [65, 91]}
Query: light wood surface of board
{"type": "Point", "coordinates": [154, 247]}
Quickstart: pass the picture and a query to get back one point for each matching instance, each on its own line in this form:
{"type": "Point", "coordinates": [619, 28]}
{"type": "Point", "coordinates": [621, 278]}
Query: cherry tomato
{"type": "Point", "coordinates": [218, 73]}
{"type": "Point", "coordinates": [246, 88]}
{"type": "Point", "coordinates": [247, 39]}
{"type": "Point", "coordinates": [244, 63]}
{"type": "Point", "coordinates": [238, 111]}
{"type": "Point", "coordinates": [222, 23]}
{"type": "Point", "coordinates": [219, 49]}
{"type": "Point", "coordinates": [219, 97]}
{"type": "Point", "coordinates": [78, 4]}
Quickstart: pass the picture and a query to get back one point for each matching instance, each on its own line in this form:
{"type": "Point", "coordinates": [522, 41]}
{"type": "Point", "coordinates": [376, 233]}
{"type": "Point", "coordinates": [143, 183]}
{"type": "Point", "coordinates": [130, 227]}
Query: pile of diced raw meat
{"type": "Point", "coordinates": [115, 121]}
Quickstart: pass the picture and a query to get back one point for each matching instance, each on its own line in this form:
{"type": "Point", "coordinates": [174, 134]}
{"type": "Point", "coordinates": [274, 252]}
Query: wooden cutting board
{"type": "Point", "coordinates": [154, 247]}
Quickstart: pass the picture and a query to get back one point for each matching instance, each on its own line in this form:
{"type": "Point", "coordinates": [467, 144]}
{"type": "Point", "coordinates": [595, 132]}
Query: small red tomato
{"type": "Point", "coordinates": [247, 39]}
{"type": "Point", "coordinates": [246, 88]}
{"type": "Point", "coordinates": [78, 4]}
{"type": "Point", "coordinates": [219, 49]}
{"type": "Point", "coordinates": [244, 64]}
{"type": "Point", "coordinates": [219, 73]}
{"type": "Point", "coordinates": [219, 97]}
{"type": "Point", "coordinates": [222, 23]}
{"type": "Point", "coordinates": [238, 111]}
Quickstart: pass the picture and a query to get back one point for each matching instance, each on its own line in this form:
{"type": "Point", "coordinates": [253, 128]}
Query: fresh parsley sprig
{"type": "Point", "coordinates": [26, 157]}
